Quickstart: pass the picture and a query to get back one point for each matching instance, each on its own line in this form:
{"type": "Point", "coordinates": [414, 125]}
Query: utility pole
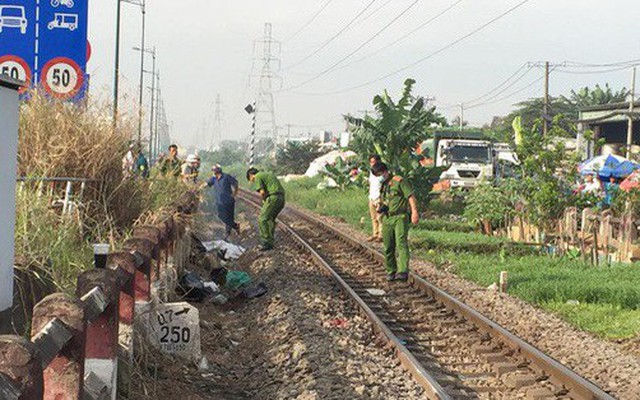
{"type": "Point", "coordinates": [142, 51]}
{"type": "Point", "coordinates": [631, 107]}
{"type": "Point", "coordinates": [217, 123]}
{"type": "Point", "coordinates": [265, 103]}
{"type": "Point", "coordinates": [157, 105]}
{"type": "Point", "coordinates": [116, 69]}
{"type": "Point", "coordinates": [546, 99]}
{"type": "Point", "coordinates": [461, 117]}
{"type": "Point", "coordinates": [116, 72]}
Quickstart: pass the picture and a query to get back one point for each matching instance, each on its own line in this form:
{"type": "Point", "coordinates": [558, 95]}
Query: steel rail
{"type": "Point", "coordinates": [429, 383]}
{"type": "Point", "coordinates": [558, 374]}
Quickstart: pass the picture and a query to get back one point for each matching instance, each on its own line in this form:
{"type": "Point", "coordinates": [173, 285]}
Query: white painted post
{"type": "Point", "coordinates": [8, 174]}
{"type": "Point", "coordinates": [67, 198]}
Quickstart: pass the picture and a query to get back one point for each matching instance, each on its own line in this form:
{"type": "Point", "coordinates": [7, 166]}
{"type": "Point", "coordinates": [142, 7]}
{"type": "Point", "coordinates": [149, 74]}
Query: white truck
{"type": "Point", "coordinates": [469, 160]}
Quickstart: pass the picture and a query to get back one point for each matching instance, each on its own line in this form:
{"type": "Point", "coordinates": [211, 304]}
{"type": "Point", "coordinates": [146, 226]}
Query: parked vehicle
{"type": "Point", "coordinates": [470, 158]}
{"type": "Point", "coordinates": [13, 17]}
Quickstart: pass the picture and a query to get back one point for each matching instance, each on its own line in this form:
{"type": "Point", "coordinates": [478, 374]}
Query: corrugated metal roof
{"type": "Point", "coordinates": [611, 107]}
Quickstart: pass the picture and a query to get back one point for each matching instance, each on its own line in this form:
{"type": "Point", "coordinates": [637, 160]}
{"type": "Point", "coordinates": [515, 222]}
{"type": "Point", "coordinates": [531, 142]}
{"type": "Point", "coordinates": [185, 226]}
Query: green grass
{"type": "Point", "coordinates": [609, 297]}
{"type": "Point", "coordinates": [446, 226]}
{"type": "Point", "coordinates": [351, 205]}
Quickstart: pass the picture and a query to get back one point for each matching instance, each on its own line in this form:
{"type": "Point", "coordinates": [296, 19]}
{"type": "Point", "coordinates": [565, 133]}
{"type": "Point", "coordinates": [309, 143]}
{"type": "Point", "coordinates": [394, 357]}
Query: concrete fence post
{"type": "Point", "coordinates": [101, 348]}
{"type": "Point", "coordinates": [148, 249]}
{"type": "Point", "coordinates": [64, 375]}
{"type": "Point", "coordinates": [20, 363]}
{"type": "Point", "coordinates": [125, 265]}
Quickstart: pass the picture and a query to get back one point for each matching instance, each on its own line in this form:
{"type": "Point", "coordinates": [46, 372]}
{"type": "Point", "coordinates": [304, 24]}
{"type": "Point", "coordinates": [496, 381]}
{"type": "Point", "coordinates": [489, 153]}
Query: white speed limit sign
{"type": "Point", "coordinates": [62, 78]}
{"type": "Point", "coordinates": [15, 67]}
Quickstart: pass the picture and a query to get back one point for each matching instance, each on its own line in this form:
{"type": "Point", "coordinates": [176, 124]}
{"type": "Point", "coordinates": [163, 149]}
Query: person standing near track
{"type": "Point", "coordinates": [272, 193]}
{"type": "Point", "coordinates": [396, 200]}
{"type": "Point", "coordinates": [170, 165]}
{"type": "Point", "coordinates": [375, 186]}
{"type": "Point", "coordinates": [225, 189]}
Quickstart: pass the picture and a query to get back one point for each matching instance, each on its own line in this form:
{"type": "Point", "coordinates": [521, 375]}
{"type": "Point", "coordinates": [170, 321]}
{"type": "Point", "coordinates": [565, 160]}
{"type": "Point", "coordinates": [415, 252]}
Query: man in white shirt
{"type": "Point", "coordinates": [375, 186]}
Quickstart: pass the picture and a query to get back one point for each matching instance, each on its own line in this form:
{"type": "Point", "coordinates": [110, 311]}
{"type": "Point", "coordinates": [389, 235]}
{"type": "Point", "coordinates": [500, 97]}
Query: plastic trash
{"type": "Point", "coordinates": [203, 365]}
{"type": "Point", "coordinates": [376, 292]}
{"type": "Point", "coordinates": [236, 280]}
{"type": "Point", "coordinates": [193, 288]}
{"type": "Point", "coordinates": [255, 291]}
{"type": "Point", "coordinates": [225, 250]}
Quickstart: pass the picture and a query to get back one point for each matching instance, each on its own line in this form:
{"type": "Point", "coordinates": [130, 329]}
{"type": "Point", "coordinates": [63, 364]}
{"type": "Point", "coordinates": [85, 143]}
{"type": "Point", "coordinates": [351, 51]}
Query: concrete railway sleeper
{"type": "Point", "coordinates": [449, 348]}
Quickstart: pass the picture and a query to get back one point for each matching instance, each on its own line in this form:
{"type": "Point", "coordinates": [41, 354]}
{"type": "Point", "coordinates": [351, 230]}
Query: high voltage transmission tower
{"type": "Point", "coordinates": [265, 57]}
{"type": "Point", "coordinates": [217, 133]}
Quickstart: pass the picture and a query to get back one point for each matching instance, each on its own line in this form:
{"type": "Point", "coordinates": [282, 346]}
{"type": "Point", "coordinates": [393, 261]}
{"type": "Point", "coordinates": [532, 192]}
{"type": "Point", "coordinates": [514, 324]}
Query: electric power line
{"type": "Point", "coordinates": [427, 57]}
{"type": "Point", "coordinates": [504, 86]}
{"type": "Point", "coordinates": [577, 64]}
{"type": "Point", "coordinates": [332, 38]}
{"type": "Point", "coordinates": [595, 72]}
{"type": "Point", "coordinates": [309, 21]}
{"type": "Point", "coordinates": [506, 96]}
{"type": "Point", "coordinates": [423, 25]}
{"type": "Point", "coordinates": [334, 65]}
{"type": "Point", "coordinates": [488, 102]}
{"type": "Point", "coordinates": [374, 12]}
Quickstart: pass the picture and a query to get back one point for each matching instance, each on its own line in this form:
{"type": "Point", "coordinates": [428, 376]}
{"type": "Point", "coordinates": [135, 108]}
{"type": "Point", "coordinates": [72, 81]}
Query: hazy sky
{"type": "Point", "coordinates": [205, 48]}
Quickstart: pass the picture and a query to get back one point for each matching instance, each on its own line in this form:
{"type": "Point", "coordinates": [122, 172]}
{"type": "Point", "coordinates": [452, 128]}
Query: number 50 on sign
{"type": "Point", "coordinates": [62, 78]}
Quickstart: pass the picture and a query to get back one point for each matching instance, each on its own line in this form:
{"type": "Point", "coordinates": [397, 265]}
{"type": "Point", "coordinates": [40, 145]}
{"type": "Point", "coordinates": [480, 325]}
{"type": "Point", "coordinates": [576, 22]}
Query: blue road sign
{"type": "Point", "coordinates": [18, 39]}
{"type": "Point", "coordinates": [45, 42]}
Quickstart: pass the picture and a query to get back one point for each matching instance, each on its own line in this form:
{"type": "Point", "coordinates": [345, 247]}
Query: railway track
{"type": "Point", "coordinates": [453, 351]}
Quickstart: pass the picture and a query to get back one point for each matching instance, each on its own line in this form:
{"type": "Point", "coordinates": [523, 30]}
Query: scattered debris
{"type": "Point", "coordinates": [376, 292]}
{"type": "Point", "coordinates": [225, 250]}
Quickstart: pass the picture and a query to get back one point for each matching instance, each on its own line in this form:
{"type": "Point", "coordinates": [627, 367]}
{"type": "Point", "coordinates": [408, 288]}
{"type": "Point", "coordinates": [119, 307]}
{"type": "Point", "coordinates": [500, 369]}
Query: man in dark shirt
{"type": "Point", "coordinates": [225, 190]}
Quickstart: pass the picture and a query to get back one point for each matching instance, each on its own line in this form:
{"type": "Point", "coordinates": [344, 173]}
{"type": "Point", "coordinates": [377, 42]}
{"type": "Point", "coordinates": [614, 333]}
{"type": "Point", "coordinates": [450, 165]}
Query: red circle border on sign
{"type": "Point", "coordinates": [24, 65]}
{"type": "Point", "coordinates": [74, 65]}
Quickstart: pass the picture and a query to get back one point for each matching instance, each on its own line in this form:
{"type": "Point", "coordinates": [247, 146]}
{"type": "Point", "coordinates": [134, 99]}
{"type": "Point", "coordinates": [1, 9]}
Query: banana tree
{"type": "Point", "coordinates": [395, 131]}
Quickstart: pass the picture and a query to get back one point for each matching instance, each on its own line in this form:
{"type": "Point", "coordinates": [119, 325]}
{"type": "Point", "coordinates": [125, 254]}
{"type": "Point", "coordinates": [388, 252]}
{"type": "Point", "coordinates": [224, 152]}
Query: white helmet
{"type": "Point", "coordinates": [191, 158]}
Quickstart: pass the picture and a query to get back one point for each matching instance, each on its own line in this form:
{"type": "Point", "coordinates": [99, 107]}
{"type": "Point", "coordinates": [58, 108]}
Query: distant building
{"type": "Point", "coordinates": [609, 122]}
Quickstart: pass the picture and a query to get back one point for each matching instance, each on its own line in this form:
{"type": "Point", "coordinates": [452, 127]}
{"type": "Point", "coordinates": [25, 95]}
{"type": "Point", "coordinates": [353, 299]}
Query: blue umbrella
{"type": "Point", "coordinates": [610, 164]}
{"type": "Point", "coordinates": [624, 169]}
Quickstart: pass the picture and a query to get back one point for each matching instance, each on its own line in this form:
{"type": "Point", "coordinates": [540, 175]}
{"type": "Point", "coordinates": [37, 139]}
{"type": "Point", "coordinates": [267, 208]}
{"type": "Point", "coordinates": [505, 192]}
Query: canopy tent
{"type": "Point", "coordinates": [601, 165]}
{"type": "Point", "coordinates": [624, 169]}
{"type": "Point", "coordinates": [319, 163]}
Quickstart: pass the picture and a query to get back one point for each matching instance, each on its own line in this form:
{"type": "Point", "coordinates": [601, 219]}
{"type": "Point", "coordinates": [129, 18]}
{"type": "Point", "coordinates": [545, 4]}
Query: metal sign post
{"type": "Point", "coordinates": [8, 170]}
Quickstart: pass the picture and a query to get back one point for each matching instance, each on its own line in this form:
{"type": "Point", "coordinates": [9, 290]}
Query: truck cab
{"type": "Point", "coordinates": [470, 161]}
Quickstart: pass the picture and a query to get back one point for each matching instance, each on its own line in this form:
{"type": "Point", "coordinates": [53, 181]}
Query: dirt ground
{"type": "Point", "coordinates": [302, 340]}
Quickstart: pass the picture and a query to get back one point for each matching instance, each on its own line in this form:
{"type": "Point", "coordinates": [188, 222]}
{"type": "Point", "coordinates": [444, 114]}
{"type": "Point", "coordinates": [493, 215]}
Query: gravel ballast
{"type": "Point", "coordinates": [605, 363]}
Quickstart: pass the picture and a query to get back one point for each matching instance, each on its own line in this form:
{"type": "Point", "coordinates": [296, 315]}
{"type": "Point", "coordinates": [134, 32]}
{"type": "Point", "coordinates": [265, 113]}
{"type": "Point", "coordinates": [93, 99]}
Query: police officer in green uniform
{"type": "Point", "coordinates": [397, 199]}
{"type": "Point", "coordinates": [272, 193]}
